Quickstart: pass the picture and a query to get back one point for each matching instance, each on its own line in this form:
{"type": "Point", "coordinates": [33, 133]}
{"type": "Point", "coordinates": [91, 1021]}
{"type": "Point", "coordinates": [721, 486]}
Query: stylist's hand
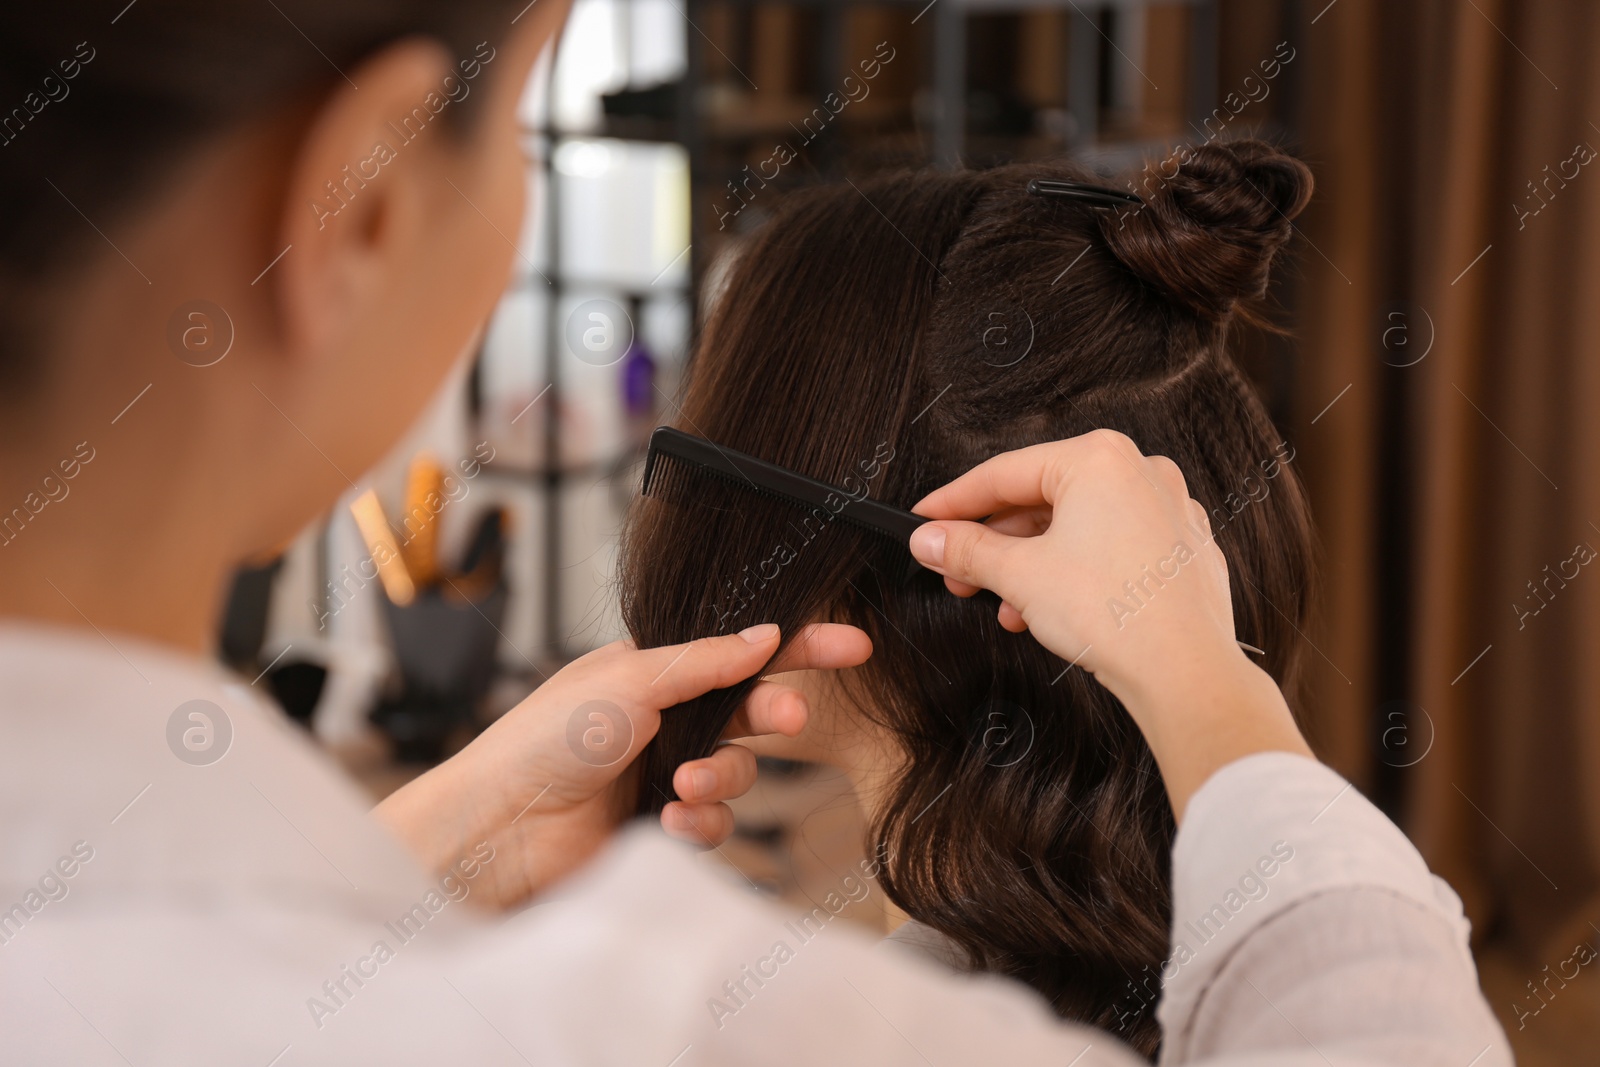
{"type": "Point", "coordinates": [548, 783]}
{"type": "Point", "coordinates": [1070, 523]}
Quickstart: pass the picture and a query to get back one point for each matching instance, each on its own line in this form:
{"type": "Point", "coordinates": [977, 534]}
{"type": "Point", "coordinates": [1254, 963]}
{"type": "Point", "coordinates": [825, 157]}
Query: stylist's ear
{"type": "Point", "coordinates": [355, 207]}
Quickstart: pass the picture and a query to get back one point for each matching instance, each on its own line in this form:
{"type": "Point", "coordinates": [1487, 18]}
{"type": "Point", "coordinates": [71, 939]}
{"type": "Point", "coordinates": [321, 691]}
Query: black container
{"type": "Point", "coordinates": [446, 652]}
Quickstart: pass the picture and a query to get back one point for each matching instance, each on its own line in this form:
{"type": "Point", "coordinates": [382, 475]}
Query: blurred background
{"type": "Point", "coordinates": [1438, 386]}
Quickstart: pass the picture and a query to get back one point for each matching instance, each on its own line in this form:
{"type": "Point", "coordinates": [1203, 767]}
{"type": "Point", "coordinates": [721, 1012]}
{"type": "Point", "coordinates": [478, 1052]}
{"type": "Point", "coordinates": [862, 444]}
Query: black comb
{"type": "Point", "coordinates": [757, 475]}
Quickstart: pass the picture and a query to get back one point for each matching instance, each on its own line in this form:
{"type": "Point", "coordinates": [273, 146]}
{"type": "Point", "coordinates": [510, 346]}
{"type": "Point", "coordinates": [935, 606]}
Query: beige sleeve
{"type": "Point", "coordinates": [1360, 975]}
{"type": "Point", "coordinates": [1308, 930]}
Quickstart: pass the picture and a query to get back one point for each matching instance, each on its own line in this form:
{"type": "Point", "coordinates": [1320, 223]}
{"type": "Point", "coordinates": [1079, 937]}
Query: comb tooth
{"type": "Point", "coordinates": [663, 474]}
{"type": "Point", "coordinates": [681, 469]}
{"type": "Point", "coordinates": [650, 459]}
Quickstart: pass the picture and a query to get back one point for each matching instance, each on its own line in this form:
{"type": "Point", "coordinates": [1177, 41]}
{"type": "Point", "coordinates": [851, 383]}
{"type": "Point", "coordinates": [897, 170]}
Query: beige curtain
{"type": "Point", "coordinates": [1457, 150]}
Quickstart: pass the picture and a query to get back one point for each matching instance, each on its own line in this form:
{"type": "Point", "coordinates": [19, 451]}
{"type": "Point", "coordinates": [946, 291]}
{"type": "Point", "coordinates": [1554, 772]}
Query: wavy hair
{"type": "Point", "coordinates": [893, 336]}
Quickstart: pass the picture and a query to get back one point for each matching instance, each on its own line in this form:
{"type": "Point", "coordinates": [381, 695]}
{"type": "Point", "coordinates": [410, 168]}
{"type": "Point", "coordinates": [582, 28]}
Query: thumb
{"type": "Point", "coordinates": [673, 674]}
{"type": "Point", "coordinates": [968, 552]}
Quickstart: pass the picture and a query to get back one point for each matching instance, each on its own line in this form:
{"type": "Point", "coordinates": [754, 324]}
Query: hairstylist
{"type": "Point", "coordinates": [338, 178]}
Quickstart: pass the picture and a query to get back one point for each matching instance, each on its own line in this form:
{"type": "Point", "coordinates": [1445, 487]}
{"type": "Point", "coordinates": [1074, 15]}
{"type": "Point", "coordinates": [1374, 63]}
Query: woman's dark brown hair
{"type": "Point", "coordinates": [940, 318]}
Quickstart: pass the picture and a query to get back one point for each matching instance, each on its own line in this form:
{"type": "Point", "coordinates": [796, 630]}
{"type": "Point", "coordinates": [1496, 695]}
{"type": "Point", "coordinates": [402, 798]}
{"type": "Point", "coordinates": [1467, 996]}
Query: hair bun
{"type": "Point", "coordinates": [1213, 218]}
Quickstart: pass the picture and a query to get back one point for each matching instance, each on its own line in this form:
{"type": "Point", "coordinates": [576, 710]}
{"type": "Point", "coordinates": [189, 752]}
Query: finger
{"type": "Point", "coordinates": [1009, 479]}
{"type": "Point", "coordinates": [824, 646]}
{"type": "Point", "coordinates": [728, 772]}
{"type": "Point", "coordinates": [771, 708]}
{"type": "Point", "coordinates": [1011, 618]}
{"type": "Point", "coordinates": [672, 674]}
{"type": "Point", "coordinates": [1200, 522]}
{"type": "Point", "coordinates": [1026, 477]}
{"type": "Point", "coordinates": [1015, 522]}
{"type": "Point", "coordinates": [1020, 522]}
{"type": "Point", "coordinates": [1211, 547]}
{"type": "Point", "coordinates": [700, 824]}
{"type": "Point", "coordinates": [969, 552]}
{"type": "Point", "coordinates": [960, 588]}
{"type": "Point", "coordinates": [1168, 474]}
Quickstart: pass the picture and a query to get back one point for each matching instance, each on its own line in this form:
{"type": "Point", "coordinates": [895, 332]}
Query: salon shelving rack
{"type": "Point", "coordinates": [550, 478]}
{"type": "Point", "coordinates": [943, 26]}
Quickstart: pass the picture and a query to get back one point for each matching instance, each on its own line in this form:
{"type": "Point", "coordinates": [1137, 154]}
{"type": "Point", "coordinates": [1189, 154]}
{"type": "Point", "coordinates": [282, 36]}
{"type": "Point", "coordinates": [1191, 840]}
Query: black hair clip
{"type": "Point", "coordinates": [1098, 195]}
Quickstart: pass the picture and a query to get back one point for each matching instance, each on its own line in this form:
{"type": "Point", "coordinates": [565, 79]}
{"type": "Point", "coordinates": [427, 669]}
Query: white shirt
{"type": "Point", "coordinates": [247, 910]}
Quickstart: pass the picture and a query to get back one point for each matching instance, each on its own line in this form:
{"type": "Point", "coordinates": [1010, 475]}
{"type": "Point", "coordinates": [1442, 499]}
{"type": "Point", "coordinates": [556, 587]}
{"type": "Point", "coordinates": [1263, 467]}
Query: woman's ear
{"type": "Point", "coordinates": [354, 209]}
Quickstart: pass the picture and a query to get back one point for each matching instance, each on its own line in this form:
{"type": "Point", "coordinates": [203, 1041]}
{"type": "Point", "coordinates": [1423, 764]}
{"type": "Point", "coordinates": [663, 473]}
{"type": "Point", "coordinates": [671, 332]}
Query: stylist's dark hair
{"type": "Point", "coordinates": [103, 101]}
{"type": "Point", "coordinates": [947, 317]}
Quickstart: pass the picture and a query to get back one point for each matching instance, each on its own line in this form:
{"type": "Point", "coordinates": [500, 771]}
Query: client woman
{"type": "Point", "coordinates": [890, 337]}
